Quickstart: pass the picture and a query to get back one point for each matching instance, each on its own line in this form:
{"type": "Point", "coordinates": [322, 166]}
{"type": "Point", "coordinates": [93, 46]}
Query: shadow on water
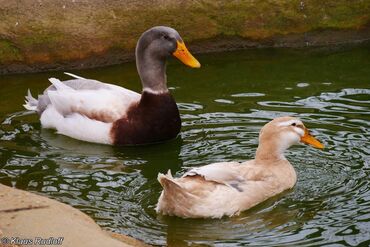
{"type": "Point", "coordinates": [222, 106]}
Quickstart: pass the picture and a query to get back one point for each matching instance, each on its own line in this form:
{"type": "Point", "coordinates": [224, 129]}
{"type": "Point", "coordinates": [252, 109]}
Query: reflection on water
{"type": "Point", "coordinates": [223, 107]}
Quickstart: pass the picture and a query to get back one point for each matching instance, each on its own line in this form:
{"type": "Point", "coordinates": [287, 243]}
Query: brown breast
{"type": "Point", "coordinates": [155, 118]}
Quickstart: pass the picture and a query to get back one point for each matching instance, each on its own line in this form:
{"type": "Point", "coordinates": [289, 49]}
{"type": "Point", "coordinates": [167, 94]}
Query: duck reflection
{"type": "Point", "coordinates": [276, 216]}
{"type": "Point", "coordinates": [148, 159]}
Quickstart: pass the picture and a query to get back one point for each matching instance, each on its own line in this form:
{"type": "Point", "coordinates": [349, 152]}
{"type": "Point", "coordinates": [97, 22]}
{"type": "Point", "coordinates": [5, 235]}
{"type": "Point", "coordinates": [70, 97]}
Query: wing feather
{"type": "Point", "coordinates": [222, 173]}
{"type": "Point", "coordinates": [73, 75]}
{"type": "Point", "coordinates": [102, 105]}
{"type": "Point", "coordinates": [93, 99]}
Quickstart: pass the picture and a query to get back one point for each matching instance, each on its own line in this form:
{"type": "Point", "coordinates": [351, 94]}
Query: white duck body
{"type": "Point", "coordinates": [83, 109]}
{"type": "Point", "coordinates": [227, 188]}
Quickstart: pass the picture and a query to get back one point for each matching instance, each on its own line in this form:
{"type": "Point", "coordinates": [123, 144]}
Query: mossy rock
{"type": "Point", "coordinates": [9, 53]}
{"type": "Point", "coordinates": [63, 33]}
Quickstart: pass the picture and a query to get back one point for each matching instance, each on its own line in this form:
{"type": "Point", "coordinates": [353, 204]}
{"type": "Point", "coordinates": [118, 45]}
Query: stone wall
{"type": "Point", "coordinates": [38, 35]}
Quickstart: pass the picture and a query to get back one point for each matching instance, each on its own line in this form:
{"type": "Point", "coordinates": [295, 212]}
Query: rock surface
{"type": "Point", "coordinates": [28, 216]}
{"type": "Point", "coordinates": [48, 34]}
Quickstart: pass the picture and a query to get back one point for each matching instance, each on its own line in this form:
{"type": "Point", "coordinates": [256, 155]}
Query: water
{"type": "Point", "coordinates": [223, 105]}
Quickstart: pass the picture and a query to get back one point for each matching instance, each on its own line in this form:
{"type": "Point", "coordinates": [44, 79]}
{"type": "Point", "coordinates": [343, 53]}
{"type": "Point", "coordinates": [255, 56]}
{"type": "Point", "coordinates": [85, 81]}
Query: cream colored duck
{"type": "Point", "coordinates": [94, 111]}
{"type": "Point", "coordinates": [227, 188]}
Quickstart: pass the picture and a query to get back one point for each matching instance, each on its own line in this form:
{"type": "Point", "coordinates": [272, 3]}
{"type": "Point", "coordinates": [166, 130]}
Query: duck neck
{"type": "Point", "coordinates": [152, 71]}
{"type": "Point", "coordinates": [269, 153]}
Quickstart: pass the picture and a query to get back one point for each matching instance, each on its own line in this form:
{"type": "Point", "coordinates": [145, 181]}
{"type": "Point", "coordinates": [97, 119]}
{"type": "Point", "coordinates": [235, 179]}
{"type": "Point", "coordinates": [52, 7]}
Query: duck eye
{"type": "Point", "coordinates": [166, 37]}
{"type": "Point", "coordinates": [294, 124]}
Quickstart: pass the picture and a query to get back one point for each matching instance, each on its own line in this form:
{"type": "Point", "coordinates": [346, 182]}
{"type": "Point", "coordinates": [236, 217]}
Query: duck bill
{"type": "Point", "coordinates": [185, 56]}
{"type": "Point", "coordinates": [307, 138]}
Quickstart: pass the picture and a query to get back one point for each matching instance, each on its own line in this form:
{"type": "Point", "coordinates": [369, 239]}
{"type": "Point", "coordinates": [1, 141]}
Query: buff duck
{"type": "Point", "coordinates": [228, 188]}
{"type": "Point", "coordinates": [93, 111]}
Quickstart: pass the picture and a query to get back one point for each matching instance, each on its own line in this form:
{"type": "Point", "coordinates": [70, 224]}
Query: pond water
{"type": "Point", "coordinates": [223, 105]}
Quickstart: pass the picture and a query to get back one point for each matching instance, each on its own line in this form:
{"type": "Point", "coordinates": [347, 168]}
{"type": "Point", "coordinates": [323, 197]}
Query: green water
{"type": "Point", "coordinates": [223, 105]}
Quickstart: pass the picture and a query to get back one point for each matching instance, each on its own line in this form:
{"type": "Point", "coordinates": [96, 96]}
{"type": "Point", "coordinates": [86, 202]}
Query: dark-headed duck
{"type": "Point", "coordinates": [94, 111]}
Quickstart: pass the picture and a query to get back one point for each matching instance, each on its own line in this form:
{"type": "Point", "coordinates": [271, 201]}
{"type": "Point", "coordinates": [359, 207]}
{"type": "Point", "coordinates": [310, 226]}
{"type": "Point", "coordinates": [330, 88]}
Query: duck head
{"type": "Point", "coordinates": [153, 48]}
{"type": "Point", "coordinates": [280, 134]}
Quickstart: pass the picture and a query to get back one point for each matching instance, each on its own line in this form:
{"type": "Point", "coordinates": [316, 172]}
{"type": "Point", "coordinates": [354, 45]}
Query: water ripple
{"type": "Point", "coordinates": [330, 204]}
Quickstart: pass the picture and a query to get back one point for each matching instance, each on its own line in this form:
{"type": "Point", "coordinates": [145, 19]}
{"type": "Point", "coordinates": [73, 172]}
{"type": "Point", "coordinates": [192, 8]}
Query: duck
{"type": "Point", "coordinates": [228, 188]}
{"type": "Point", "coordinates": [98, 112]}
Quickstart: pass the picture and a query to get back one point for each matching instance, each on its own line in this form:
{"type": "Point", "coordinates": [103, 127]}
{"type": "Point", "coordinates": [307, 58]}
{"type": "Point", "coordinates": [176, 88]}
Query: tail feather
{"type": "Point", "coordinates": [30, 102]}
{"type": "Point", "coordinates": [59, 85]}
{"type": "Point", "coordinates": [175, 199]}
{"type": "Point", "coordinates": [73, 75]}
{"type": "Point", "coordinates": [167, 181]}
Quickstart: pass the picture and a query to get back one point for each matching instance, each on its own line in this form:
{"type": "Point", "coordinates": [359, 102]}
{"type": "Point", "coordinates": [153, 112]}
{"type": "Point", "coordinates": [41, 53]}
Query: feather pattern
{"type": "Point", "coordinates": [220, 173]}
{"type": "Point", "coordinates": [96, 100]}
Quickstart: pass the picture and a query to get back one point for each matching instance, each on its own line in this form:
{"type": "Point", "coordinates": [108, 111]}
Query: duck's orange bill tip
{"type": "Point", "coordinates": [185, 56]}
{"type": "Point", "coordinates": [309, 139]}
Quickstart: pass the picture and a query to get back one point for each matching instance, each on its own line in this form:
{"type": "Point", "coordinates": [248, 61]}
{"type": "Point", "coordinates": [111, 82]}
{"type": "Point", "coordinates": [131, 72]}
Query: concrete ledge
{"type": "Point", "coordinates": [30, 217]}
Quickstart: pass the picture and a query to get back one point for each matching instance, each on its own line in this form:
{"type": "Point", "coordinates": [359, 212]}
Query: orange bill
{"type": "Point", "coordinates": [185, 56]}
{"type": "Point", "coordinates": [309, 139]}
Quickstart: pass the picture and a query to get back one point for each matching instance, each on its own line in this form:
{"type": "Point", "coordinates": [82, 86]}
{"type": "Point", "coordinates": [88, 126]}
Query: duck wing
{"type": "Point", "coordinates": [223, 173]}
{"type": "Point", "coordinates": [80, 83]}
{"type": "Point", "coordinates": [93, 99]}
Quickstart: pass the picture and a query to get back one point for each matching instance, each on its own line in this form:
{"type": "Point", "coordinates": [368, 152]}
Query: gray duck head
{"type": "Point", "coordinates": [152, 50]}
